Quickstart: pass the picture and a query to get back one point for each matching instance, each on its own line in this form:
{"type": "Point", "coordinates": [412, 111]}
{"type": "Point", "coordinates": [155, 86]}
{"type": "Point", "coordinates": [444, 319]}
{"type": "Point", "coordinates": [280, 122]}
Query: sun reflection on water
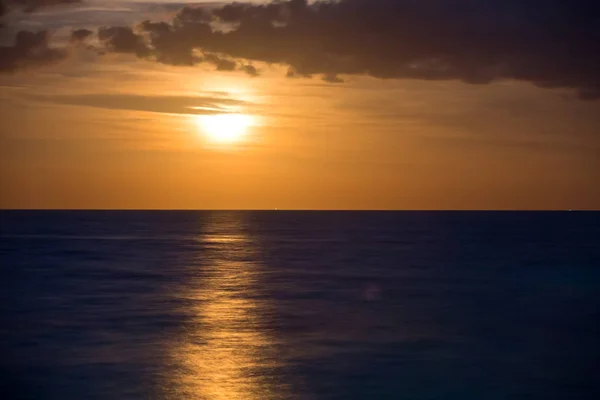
{"type": "Point", "coordinates": [227, 352]}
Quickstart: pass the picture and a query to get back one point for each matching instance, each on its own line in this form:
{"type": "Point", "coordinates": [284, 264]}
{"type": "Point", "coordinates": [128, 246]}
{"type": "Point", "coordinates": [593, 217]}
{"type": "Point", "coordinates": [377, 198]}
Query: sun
{"type": "Point", "coordinates": [225, 128]}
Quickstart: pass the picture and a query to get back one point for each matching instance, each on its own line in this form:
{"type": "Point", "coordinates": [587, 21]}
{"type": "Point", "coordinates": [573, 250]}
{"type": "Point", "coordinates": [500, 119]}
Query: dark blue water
{"type": "Point", "coordinates": [299, 305]}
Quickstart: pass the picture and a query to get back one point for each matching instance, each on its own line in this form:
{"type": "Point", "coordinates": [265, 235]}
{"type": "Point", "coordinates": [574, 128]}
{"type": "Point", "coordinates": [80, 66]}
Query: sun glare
{"type": "Point", "coordinates": [225, 128]}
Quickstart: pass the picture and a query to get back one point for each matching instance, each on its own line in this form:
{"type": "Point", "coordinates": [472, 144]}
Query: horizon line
{"type": "Point", "coordinates": [309, 209]}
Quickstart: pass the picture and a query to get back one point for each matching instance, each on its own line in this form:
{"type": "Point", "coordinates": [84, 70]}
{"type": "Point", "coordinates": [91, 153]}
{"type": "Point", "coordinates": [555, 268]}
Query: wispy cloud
{"type": "Point", "coordinates": [190, 105]}
{"type": "Point", "coordinates": [33, 5]}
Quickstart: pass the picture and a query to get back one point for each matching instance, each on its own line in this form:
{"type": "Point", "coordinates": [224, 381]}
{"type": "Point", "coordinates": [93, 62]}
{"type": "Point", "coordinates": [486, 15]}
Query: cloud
{"type": "Point", "coordinates": [222, 64]}
{"type": "Point", "coordinates": [30, 49]}
{"type": "Point", "coordinates": [250, 69]}
{"type": "Point", "coordinates": [332, 78]}
{"type": "Point", "coordinates": [554, 43]}
{"type": "Point", "coordinates": [80, 35]}
{"type": "Point", "coordinates": [92, 14]}
{"type": "Point", "coordinates": [198, 105]}
{"type": "Point", "coordinates": [167, 47]}
{"type": "Point", "coordinates": [122, 39]}
{"type": "Point", "coordinates": [33, 5]}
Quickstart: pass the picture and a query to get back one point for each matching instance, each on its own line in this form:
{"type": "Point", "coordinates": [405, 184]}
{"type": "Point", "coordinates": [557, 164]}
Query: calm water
{"type": "Point", "coordinates": [299, 305]}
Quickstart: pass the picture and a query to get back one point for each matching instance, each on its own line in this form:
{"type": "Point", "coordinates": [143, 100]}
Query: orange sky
{"type": "Point", "coordinates": [111, 132]}
{"type": "Point", "coordinates": [366, 144]}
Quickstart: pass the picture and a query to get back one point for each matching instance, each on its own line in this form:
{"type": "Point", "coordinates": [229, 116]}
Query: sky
{"type": "Point", "coordinates": [351, 104]}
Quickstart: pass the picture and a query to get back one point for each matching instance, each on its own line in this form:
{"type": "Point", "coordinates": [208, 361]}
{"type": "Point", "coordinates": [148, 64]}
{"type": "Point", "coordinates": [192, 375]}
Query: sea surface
{"type": "Point", "coordinates": [299, 305]}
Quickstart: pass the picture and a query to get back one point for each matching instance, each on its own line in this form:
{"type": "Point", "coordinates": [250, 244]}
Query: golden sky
{"type": "Point", "coordinates": [116, 131]}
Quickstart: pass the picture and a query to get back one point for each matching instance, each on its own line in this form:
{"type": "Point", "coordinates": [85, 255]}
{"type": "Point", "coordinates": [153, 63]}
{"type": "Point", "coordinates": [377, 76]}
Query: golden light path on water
{"type": "Point", "coordinates": [227, 351]}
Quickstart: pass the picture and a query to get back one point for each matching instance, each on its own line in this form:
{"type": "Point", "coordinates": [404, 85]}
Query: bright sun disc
{"type": "Point", "coordinates": [225, 128]}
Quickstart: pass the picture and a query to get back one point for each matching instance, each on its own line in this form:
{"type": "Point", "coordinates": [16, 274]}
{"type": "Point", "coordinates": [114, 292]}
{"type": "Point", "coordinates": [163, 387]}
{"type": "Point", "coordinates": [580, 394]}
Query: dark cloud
{"type": "Point", "coordinates": [332, 78]}
{"type": "Point", "coordinates": [80, 35]}
{"type": "Point", "coordinates": [553, 43]}
{"type": "Point", "coordinates": [34, 5]}
{"type": "Point", "coordinates": [292, 73]}
{"type": "Point", "coordinates": [29, 49]}
{"type": "Point", "coordinates": [175, 42]}
{"type": "Point", "coordinates": [246, 12]}
{"type": "Point", "coordinates": [250, 69]}
{"type": "Point", "coordinates": [192, 15]}
{"type": "Point", "coordinates": [222, 64]}
{"type": "Point", "coordinates": [168, 46]}
{"type": "Point", "coordinates": [158, 104]}
{"type": "Point", "coordinates": [121, 39]}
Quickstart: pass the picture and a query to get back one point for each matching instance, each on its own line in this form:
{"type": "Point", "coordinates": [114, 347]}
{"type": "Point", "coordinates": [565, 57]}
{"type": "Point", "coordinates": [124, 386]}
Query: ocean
{"type": "Point", "coordinates": [299, 305]}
